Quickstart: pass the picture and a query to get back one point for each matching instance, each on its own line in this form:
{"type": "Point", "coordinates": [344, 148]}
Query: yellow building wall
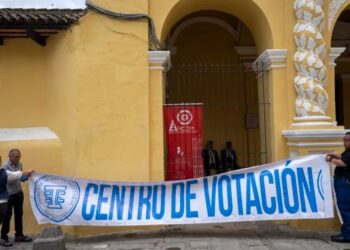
{"type": "Point", "coordinates": [90, 86]}
{"type": "Point", "coordinates": [23, 104]}
{"type": "Point", "coordinates": [22, 86]}
{"type": "Point", "coordinates": [104, 93]}
{"type": "Point", "coordinates": [109, 128]}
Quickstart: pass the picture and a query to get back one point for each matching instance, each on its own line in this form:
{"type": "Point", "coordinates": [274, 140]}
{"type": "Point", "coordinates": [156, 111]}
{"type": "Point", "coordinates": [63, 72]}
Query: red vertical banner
{"type": "Point", "coordinates": [183, 128]}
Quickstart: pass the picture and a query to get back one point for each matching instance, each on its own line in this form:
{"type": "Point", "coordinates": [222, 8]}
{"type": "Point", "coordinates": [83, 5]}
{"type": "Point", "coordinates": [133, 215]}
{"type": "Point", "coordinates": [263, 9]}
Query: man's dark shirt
{"type": "Point", "coordinates": [341, 171]}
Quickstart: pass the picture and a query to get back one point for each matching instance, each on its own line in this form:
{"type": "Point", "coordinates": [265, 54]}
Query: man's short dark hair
{"type": "Point", "coordinates": [14, 150]}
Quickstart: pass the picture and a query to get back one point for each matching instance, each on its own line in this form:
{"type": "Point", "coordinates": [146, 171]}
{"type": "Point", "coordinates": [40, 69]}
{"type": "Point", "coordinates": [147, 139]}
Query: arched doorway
{"type": "Point", "coordinates": [211, 57]}
{"type": "Point", "coordinates": [341, 38]}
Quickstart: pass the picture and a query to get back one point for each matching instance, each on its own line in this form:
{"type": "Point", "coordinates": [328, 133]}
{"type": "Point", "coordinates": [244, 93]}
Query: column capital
{"type": "Point", "coordinates": [246, 56]}
{"type": "Point", "coordinates": [334, 53]}
{"type": "Point", "coordinates": [314, 138]}
{"type": "Point", "coordinates": [270, 59]}
{"type": "Point", "coordinates": [159, 59]}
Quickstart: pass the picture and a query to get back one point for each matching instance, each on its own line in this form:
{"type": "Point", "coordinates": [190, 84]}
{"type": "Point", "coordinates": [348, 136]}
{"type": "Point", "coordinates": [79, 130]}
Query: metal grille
{"type": "Point", "coordinates": [231, 107]}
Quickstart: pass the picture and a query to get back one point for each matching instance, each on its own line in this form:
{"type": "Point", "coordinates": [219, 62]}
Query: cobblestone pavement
{"type": "Point", "coordinates": [244, 235]}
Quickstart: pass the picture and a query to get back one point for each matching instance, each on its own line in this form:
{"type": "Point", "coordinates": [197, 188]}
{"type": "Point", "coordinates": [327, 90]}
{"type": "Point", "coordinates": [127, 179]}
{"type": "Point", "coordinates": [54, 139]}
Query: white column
{"type": "Point", "coordinates": [159, 61]}
{"type": "Point", "coordinates": [309, 58]}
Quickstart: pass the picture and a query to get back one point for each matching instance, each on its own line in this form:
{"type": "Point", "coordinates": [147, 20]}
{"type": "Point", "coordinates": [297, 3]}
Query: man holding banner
{"type": "Point", "coordinates": [15, 199]}
{"type": "Point", "coordinates": [342, 188]}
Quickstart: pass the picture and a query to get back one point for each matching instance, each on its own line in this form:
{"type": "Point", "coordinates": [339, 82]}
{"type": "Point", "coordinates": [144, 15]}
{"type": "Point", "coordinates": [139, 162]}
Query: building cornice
{"type": "Point", "coordinates": [319, 134]}
{"type": "Point", "coordinates": [334, 53]}
{"type": "Point", "coordinates": [269, 59]}
{"type": "Point", "coordinates": [158, 60]}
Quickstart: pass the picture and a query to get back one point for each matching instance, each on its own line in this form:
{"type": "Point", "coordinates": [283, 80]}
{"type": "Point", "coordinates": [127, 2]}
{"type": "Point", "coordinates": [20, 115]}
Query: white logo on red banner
{"type": "Point", "coordinates": [184, 117]}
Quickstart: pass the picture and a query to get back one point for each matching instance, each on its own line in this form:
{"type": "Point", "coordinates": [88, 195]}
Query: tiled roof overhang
{"type": "Point", "coordinates": [37, 24]}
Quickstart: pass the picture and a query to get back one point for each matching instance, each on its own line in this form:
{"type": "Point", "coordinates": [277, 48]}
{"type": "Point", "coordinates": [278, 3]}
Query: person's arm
{"type": "Point", "coordinates": [338, 162]}
{"type": "Point", "coordinates": [13, 176]}
{"type": "Point", "coordinates": [333, 155]}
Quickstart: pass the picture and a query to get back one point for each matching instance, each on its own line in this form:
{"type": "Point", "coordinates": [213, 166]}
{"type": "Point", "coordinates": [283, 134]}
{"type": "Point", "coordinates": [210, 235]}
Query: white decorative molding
{"type": "Point", "coordinates": [315, 138]}
{"type": "Point", "coordinates": [311, 118]}
{"type": "Point", "coordinates": [310, 81]}
{"type": "Point", "coordinates": [319, 134]}
{"type": "Point", "coordinates": [334, 7]}
{"type": "Point", "coordinates": [334, 53]}
{"type": "Point", "coordinates": [27, 134]}
{"type": "Point", "coordinates": [315, 144]}
{"type": "Point", "coordinates": [158, 60]}
{"type": "Point", "coordinates": [313, 124]}
{"type": "Point", "coordinates": [269, 59]}
{"type": "Point", "coordinates": [317, 120]}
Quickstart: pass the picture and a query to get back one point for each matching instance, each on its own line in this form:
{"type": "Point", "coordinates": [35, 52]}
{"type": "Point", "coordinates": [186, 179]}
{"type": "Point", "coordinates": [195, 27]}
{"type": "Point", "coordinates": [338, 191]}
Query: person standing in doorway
{"type": "Point", "coordinates": [15, 200]}
{"type": "Point", "coordinates": [228, 158]}
{"type": "Point", "coordinates": [211, 159]}
{"type": "Point", "coordinates": [342, 188]}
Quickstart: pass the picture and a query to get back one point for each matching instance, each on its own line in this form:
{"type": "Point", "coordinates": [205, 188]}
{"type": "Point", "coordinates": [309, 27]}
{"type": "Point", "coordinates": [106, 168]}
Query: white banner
{"type": "Point", "coordinates": [292, 189]}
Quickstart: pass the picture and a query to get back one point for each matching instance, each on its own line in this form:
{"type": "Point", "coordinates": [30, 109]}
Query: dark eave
{"type": "Point", "coordinates": [37, 24]}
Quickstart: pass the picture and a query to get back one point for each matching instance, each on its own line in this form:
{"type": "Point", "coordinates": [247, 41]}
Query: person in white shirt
{"type": "Point", "coordinates": [5, 177]}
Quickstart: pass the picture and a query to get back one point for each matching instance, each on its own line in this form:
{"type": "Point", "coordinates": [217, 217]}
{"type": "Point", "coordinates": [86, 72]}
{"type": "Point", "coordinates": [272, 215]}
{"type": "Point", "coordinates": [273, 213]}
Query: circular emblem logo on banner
{"type": "Point", "coordinates": [184, 117]}
{"type": "Point", "coordinates": [56, 197]}
{"type": "Point", "coordinates": [320, 184]}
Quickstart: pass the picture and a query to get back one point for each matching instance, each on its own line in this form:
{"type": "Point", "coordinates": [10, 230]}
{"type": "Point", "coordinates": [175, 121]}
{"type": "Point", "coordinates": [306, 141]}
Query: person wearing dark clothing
{"type": "Point", "coordinates": [211, 159]}
{"type": "Point", "coordinates": [228, 158]}
{"type": "Point", "coordinates": [7, 177]}
{"type": "Point", "coordinates": [15, 200]}
{"type": "Point", "coordinates": [342, 188]}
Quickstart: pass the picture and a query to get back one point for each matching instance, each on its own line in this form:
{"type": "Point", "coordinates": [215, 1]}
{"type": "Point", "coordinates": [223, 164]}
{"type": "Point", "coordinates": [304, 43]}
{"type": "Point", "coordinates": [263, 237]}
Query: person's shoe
{"type": "Point", "coordinates": [23, 238]}
{"type": "Point", "coordinates": [5, 243]}
{"type": "Point", "coordinates": [340, 239]}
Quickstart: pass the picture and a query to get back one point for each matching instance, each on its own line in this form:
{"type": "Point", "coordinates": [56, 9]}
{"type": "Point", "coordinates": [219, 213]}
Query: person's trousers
{"type": "Point", "coordinates": [15, 202]}
{"type": "Point", "coordinates": [3, 210]}
{"type": "Point", "coordinates": [342, 191]}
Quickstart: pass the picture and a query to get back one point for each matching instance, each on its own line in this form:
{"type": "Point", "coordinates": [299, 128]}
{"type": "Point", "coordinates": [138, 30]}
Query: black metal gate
{"type": "Point", "coordinates": [230, 96]}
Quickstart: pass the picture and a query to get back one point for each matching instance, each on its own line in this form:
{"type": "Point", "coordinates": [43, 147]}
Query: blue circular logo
{"type": "Point", "coordinates": [320, 184]}
{"type": "Point", "coordinates": [56, 197]}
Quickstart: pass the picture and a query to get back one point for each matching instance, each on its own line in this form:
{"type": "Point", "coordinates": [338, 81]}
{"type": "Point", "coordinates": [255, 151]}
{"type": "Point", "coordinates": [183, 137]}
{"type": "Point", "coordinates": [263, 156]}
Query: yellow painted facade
{"type": "Point", "coordinates": [94, 86]}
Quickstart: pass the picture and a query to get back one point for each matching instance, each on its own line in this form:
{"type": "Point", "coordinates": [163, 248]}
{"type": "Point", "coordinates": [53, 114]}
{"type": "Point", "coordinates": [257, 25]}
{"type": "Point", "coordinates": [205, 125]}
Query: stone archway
{"type": "Point", "coordinates": [341, 42]}
{"type": "Point", "coordinates": [248, 11]}
{"type": "Point", "coordinates": [211, 57]}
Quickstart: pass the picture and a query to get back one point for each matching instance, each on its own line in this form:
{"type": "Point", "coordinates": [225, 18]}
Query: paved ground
{"type": "Point", "coordinates": [254, 236]}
